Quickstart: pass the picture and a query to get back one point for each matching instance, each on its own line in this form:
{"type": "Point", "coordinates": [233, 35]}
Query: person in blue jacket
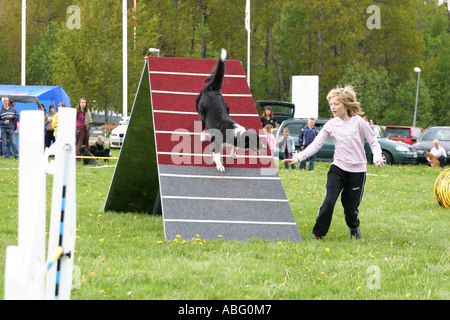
{"type": "Point", "coordinates": [306, 137]}
{"type": "Point", "coordinates": [287, 147]}
{"type": "Point", "coordinates": [8, 115]}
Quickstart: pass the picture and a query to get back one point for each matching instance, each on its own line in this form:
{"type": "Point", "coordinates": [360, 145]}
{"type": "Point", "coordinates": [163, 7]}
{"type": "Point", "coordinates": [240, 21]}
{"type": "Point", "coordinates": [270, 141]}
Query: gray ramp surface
{"type": "Point", "coordinates": [239, 204]}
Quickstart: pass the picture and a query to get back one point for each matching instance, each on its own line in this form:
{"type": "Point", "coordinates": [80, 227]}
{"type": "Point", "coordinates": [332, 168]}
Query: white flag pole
{"type": "Point", "coordinates": [125, 59]}
{"type": "Point", "coordinates": [24, 40]}
{"type": "Point", "coordinates": [247, 26]}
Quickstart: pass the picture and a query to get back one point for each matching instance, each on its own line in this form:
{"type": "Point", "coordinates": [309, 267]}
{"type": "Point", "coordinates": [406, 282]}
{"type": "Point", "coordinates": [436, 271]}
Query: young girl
{"type": "Point", "coordinates": [348, 171]}
{"type": "Point", "coordinates": [287, 147]}
{"type": "Point", "coordinates": [271, 141]}
{"type": "Point", "coordinates": [83, 124]}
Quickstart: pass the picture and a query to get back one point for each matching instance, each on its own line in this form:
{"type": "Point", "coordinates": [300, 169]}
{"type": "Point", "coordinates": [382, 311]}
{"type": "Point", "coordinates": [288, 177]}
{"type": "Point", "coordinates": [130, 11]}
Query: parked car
{"type": "Point", "coordinates": [407, 135]}
{"type": "Point", "coordinates": [425, 142]}
{"type": "Point", "coordinates": [393, 152]}
{"type": "Point", "coordinates": [282, 110]}
{"type": "Point", "coordinates": [118, 135]}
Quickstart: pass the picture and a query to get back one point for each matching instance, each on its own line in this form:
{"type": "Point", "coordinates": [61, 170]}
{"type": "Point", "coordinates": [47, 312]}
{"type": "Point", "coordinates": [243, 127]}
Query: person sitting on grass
{"type": "Point", "coordinates": [98, 148]}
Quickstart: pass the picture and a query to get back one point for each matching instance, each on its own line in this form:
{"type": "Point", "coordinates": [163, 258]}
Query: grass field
{"type": "Point", "coordinates": [403, 255]}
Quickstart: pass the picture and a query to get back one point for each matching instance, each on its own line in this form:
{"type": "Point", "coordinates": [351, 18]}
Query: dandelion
{"type": "Point", "coordinates": [178, 236]}
{"type": "Point", "coordinates": [408, 295]}
{"type": "Point", "coordinates": [327, 249]}
{"type": "Point", "coordinates": [358, 287]}
{"type": "Point", "coordinates": [103, 292]}
{"type": "Point", "coordinates": [160, 242]}
{"type": "Point", "coordinates": [101, 240]}
{"type": "Point", "coordinates": [220, 236]}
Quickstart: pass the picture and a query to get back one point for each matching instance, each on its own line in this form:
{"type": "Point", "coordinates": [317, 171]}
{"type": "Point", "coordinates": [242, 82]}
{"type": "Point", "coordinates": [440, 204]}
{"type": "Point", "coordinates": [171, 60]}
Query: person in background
{"type": "Point", "coordinates": [269, 118]}
{"type": "Point", "coordinates": [55, 118]}
{"type": "Point", "coordinates": [83, 125]}
{"type": "Point", "coordinates": [49, 132]}
{"type": "Point", "coordinates": [8, 116]}
{"type": "Point", "coordinates": [271, 141]}
{"type": "Point", "coordinates": [287, 147]}
{"type": "Point", "coordinates": [98, 148]}
{"type": "Point", "coordinates": [439, 153]}
{"type": "Point", "coordinates": [307, 135]}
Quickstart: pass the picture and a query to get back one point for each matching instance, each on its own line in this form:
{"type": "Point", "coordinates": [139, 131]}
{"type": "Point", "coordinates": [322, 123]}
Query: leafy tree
{"type": "Point", "coordinates": [40, 67]}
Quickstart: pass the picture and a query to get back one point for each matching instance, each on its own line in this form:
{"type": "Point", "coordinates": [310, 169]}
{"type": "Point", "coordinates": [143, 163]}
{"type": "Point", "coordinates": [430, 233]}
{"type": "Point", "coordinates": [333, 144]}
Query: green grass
{"type": "Point", "coordinates": [403, 255]}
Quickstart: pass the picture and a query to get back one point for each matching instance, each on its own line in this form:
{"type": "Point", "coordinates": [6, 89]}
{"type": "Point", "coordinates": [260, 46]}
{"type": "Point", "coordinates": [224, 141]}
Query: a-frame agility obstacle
{"type": "Point", "coordinates": [164, 167]}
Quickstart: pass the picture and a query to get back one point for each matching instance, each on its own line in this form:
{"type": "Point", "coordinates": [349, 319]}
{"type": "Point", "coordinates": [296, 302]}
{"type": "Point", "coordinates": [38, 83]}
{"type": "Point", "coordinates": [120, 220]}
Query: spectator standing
{"type": "Point", "coordinates": [8, 116]}
{"type": "Point", "coordinates": [271, 141]}
{"type": "Point", "coordinates": [269, 118]}
{"type": "Point", "coordinates": [49, 132]}
{"type": "Point", "coordinates": [307, 135]}
{"type": "Point", "coordinates": [83, 124]}
{"type": "Point", "coordinates": [55, 118]}
{"type": "Point", "coordinates": [287, 147]}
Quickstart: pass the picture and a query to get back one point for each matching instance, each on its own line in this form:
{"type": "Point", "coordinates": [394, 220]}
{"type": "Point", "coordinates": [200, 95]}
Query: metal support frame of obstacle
{"type": "Point", "coordinates": [28, 274]}
{"type": "Point", "coordinates": [164, 167]}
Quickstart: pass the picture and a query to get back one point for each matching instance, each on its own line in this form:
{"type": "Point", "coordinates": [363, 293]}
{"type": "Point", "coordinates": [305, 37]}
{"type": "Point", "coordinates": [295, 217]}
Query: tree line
{"type": "Point", "coordinates": [372, 45]}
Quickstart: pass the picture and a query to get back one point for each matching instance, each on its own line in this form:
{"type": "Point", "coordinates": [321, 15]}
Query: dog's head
{"type": "Point", "coordinates": [82, 149]}
{"type": "Point", "coordinates": [250, 140]}
{"type": "Point", "coordinates": [429, 155]}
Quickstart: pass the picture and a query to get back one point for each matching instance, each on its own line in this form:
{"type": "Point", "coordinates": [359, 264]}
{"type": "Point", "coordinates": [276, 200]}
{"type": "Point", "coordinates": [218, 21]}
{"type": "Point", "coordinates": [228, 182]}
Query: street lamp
{"type": "Point", "coordinates": [154, 50]}
{"type": "Point", "coordinates": [416, 69]}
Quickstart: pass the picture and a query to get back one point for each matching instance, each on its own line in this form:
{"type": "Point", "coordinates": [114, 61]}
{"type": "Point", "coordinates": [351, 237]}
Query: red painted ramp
{"type": "Point", "coordinates": [248, 199]}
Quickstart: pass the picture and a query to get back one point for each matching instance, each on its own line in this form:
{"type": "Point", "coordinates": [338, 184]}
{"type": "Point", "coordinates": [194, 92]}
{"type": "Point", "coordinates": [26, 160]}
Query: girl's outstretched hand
{"type": "Point", "coordinates": [291, 161]}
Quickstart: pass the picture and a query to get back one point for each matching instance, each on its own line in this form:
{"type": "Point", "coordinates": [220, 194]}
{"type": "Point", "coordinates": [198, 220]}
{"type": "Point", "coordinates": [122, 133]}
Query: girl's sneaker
{"type": "Point", "coordinates": [355, 232]}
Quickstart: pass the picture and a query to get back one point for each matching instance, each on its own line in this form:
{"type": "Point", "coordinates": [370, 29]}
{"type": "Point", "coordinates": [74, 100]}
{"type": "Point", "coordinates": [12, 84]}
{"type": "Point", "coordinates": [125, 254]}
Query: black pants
{"type": "Point", "coordinates": [49, 137]}
{"type": "Point", "coordinates": [352, 186]}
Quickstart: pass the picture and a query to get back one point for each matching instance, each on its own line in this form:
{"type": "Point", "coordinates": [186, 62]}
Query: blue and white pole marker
{"type": "Point", "coordinates": [63, 212]}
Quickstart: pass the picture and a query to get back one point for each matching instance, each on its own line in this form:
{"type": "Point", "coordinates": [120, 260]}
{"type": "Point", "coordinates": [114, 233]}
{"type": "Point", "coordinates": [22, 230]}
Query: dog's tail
{"type": "Point", "coordinates": [216, 78]}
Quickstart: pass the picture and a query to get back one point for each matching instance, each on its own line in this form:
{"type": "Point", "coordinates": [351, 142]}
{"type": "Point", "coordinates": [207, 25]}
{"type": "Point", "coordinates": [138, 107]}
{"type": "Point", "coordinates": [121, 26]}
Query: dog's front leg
{"type": "Point", "coordinates": [203, 134]}
{"type": "Point", "coordinates": [219, 165]}
{"type": "Point", "coordinates": [233, 153]}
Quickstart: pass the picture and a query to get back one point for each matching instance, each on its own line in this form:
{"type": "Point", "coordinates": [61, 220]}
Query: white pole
{"type": "Point", "coordinates": [247, 26]}
{"type": "Point", "coordinates": [418, 70]}
{"type": "Point", "coordinates": [248, 58]}
{"type": "Point", "coordinates": [24, 40]}
{"type": "Point", "coordinates": [125, 59]}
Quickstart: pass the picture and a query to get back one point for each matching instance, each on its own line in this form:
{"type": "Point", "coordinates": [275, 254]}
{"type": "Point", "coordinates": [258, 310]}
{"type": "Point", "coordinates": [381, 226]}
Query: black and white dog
{"type": "Point", "coordinates": [215, 116]}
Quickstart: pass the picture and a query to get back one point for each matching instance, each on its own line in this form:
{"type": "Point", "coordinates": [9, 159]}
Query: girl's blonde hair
{"type": "Point", "coordinates": [268, 128]}
{"type": "Point", "coordinates": [347, 97]}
